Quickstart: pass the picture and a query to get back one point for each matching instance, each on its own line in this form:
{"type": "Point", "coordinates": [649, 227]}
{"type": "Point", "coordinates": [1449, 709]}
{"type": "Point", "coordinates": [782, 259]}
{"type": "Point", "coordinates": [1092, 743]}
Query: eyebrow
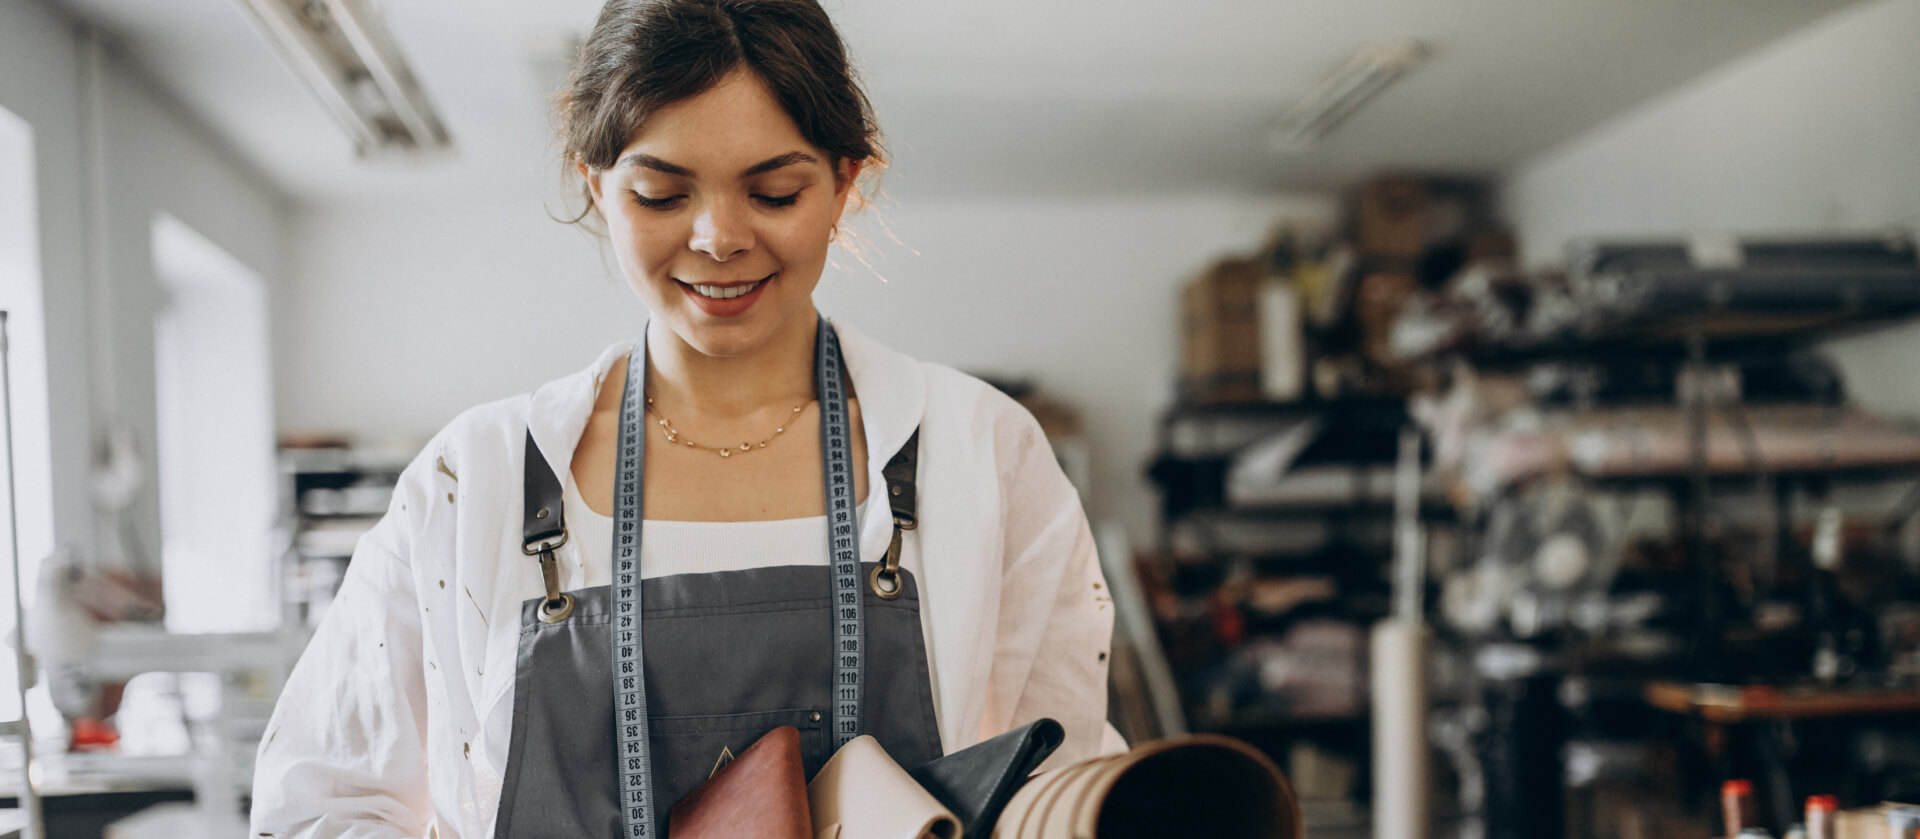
{"type": "Point", "coordinates": [647, 161]}
{"type": "Point", "coordinates": [782, 161]}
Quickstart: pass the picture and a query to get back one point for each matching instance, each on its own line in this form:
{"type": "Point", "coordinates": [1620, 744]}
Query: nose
{"type": "Point", "coordinates": [722, 230]}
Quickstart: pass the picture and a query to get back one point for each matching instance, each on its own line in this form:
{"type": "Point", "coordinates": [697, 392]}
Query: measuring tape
{"type": "Point", "coordinates": [632, 743]}
{"type": "Point", "coordinates": [836, 448]}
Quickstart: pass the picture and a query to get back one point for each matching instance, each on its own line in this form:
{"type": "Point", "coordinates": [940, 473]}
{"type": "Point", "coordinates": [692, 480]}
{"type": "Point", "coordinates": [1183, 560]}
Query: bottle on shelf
{"type": "Point", "coordinates": [1737, 807]}
{"type": "Point", "coordinates": [1820, 816]}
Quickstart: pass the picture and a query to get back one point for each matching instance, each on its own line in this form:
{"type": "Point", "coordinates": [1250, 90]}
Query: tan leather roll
{"type": "Point", "coordinates": [862, 794]}
{"type": "Point", "coordinates": [1203, 785]}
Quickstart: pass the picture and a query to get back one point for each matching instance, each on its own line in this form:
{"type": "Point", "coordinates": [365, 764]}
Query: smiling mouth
{"type": "Point", "coordinates": [728, 292]}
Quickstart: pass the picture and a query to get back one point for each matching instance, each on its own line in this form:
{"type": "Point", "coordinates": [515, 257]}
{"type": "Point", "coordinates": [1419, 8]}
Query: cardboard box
{"type": "Point", "coordinates": [1390, 217]}
{"type": "Point", "coordinates": [1220, 333]}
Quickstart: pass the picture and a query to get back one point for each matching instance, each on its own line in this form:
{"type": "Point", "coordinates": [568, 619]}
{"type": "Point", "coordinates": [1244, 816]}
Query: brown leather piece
{"type": "Point", "coordinates": [762, 793]}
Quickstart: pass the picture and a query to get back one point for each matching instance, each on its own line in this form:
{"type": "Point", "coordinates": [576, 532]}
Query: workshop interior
{"type": "Point", "coordinates": [1502, 416]}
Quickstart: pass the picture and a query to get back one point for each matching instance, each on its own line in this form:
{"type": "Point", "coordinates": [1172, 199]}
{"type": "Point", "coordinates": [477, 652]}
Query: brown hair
{"type": "Point", "coordinates": [646, 54]}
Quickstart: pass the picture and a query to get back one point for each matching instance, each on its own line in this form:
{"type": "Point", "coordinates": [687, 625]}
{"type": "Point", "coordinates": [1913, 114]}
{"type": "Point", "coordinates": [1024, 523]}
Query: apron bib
{"type": "Point", "coordinates": [725, 658]}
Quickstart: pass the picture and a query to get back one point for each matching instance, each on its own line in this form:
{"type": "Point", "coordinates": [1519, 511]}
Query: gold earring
{"type": "Point", "coordinates": [833, 233]}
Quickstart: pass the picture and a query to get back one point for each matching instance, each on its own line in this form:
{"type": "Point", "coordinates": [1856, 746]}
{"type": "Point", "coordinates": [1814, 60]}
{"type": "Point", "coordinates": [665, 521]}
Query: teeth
{"type": "Point", "coordinates": [725, 292]}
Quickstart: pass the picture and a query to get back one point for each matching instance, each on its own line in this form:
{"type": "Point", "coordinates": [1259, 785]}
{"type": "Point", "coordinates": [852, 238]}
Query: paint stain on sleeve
{"type": "Point", "coordinates": [476, 607]}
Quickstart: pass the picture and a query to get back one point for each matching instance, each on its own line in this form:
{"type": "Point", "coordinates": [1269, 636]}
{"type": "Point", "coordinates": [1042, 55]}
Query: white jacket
{"type": "Point", "coordinates": [394, 722]}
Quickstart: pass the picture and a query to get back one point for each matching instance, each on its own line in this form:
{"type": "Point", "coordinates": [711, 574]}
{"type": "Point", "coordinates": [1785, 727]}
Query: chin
{"type": "Point", "coordinates": [738, 339]}
{"type": "Point", "coordinates": [732, 341]}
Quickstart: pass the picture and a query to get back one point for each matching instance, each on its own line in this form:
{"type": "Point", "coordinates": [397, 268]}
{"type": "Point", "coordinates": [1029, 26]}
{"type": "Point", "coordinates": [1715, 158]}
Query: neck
{"type": "Point", "coordinates": [778, 374]}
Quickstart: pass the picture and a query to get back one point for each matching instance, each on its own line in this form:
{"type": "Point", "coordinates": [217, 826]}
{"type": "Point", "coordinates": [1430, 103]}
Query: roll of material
{"type": "Point", "coordinates": [1400, 772]}
{"type": "Point", "coordinates": [1200, 785]}
{"type": "Point", "coordinates": [862, 794]}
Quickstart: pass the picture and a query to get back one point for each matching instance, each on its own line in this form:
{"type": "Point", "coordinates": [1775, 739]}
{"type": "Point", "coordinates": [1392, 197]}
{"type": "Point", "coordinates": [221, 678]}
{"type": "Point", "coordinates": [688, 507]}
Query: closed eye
{"type": "Point", "coordinates": [666, 203]}
{"type": "Point", "coordinates": [778, 200]}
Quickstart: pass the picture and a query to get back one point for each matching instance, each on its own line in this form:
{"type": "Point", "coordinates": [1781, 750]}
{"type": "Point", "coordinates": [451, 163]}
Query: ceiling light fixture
{"type": "Point", "coordinates": [1359, 78]}
{"type": "Point", "coordinates": [343, 53]}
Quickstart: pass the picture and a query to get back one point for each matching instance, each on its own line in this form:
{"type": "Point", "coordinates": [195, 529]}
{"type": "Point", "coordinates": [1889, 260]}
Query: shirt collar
{"type": "Point", "coordinates": [892, 400]}
{"type": "Point", "coordinates": [893, 396]}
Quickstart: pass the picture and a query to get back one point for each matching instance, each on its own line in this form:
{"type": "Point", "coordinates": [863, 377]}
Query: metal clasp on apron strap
{"type": "Point", "coordinates": [544, 529]}
{"type": "Point", "coordinates": [559, 604]}
{"type": "Point", "coordinates": [899, 474]}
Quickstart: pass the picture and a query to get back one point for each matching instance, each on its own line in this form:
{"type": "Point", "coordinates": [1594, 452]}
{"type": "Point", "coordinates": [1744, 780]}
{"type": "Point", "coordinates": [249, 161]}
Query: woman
{"type": "Point", "coordinates": [466, 682]}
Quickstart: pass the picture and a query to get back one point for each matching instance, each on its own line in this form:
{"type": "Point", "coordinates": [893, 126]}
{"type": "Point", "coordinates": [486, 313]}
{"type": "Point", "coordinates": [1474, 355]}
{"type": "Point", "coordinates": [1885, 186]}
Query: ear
{"type": "Point", "coordinates": [593, 183]}
{"type": "Point", "coordinates": [843, 186]}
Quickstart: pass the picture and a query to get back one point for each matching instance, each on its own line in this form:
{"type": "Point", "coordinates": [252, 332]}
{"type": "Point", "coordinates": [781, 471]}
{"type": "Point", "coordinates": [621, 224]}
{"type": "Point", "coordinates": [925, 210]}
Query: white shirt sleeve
{"type": "Point", "coordinates": [1056, 615]}
{"type": "Point", "coordinates": [344, 756]}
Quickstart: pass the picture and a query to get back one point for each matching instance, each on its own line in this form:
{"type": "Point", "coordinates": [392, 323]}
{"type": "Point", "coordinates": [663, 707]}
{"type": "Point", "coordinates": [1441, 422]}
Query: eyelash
{"type": "Point", "coordinates": [668, 203]}
{"type": "Point", "coordinates": [656, 203]}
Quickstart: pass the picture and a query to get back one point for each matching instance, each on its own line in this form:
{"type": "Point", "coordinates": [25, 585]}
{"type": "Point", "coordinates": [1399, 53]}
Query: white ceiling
{"type": "Point", "coordinates": [994, 97]}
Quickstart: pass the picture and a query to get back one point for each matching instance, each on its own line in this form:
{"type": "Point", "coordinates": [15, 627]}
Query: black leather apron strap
{"type": "Point", "coordinates": [899, 474]}
{"type": "Point", "coordinates": [543, 529]}
{"type": "Point", "coordinates": [545, 519]}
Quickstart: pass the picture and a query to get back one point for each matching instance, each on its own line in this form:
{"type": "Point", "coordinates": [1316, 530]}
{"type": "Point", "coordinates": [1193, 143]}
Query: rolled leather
{"type": "Point", "coordinates": [761, 793]}
{"type": "Point", "coordinates": [1202, 785]}
{"type": "Point", "coordinates": [863, 794]}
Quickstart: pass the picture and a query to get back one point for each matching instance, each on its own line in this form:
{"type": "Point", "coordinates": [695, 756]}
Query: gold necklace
{"type": "Point", "coordinates": [673, 434]}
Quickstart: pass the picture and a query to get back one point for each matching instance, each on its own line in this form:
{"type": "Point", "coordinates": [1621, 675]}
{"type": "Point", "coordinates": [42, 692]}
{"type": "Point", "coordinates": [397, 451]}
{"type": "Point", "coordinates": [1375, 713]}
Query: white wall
{"type": "Point", "coordinates": [152, 161]}
{"type": "Point", "coordinates": [400, 316]}
{"type": "Point", "coordinates": [1818, 133]}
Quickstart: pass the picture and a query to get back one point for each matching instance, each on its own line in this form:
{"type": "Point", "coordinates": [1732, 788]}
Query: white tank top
{"type": "Point", "coordinates": [694, 547]}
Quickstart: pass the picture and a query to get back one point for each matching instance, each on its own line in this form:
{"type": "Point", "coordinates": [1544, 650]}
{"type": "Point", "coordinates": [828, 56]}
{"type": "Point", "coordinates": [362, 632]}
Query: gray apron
{"type": "Point", "coordinates": [726, 657]}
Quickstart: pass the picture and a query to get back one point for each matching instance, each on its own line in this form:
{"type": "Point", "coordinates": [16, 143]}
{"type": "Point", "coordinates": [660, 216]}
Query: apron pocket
{"type": "Point", "coordinates": [687, 749]}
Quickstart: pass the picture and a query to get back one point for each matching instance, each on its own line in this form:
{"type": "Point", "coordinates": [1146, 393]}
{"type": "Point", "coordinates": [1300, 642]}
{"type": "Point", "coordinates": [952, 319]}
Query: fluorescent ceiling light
{"type": "Point", "coordinates": [1337, 96]}
{"type": "Point", "coordinates": [343, 53]}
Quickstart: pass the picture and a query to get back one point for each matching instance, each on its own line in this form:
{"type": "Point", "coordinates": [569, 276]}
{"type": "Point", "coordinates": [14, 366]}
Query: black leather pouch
{"type": "Point", "coordinates": [976, 782]}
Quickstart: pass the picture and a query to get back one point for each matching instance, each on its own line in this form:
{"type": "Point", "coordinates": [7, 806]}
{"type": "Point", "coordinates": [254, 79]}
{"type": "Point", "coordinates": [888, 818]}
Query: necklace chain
{"type": "Point", "coordinates": [673, 434]}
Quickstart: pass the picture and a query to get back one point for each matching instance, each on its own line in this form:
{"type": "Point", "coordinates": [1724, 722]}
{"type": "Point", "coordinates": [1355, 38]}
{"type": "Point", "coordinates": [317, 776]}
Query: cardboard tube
{"type": "Point", "coordinates": [1400, 776]}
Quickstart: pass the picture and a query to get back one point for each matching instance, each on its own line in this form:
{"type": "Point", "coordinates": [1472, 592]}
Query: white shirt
{"type": "Point", "coordinates": [394, 722]}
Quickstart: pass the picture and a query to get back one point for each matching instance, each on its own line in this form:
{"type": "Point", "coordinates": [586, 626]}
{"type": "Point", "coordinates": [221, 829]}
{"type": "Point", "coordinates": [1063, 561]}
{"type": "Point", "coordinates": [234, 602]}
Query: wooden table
{"type": "Point", "coordinates": [1727, 704]}
{"type": "Point", "coordinates": [1738, 708]}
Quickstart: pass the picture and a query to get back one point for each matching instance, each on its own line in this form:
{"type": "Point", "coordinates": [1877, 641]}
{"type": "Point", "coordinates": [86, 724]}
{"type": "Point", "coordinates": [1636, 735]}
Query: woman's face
{"type": "Point", "coordinates": [720, 214]}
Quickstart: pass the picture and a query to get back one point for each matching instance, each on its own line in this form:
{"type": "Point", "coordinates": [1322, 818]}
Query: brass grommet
{"type": "Point", "coordinates": [885, 583]}
{"type": "Point", "coordinates": [555, 611]}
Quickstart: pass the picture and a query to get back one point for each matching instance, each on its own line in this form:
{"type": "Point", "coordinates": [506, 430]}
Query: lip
{"type": "Point", "coordinates": [733, 307]}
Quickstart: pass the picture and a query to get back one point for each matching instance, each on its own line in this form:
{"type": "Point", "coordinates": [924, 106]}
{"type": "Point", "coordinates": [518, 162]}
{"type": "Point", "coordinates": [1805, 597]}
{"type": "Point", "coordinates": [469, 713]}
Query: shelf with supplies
{"type": "Point", "coordinates": [1278, 523]}
{"type": "Point", "coordinates": [330, 495]}
{"type": "Point", "coordinates": [1666, 485]}
{"type": "Point", "coordinates": [1293, 482]}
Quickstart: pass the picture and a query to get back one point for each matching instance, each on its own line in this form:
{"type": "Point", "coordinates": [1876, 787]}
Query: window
{"type": "Point", "coordinates": [215, 458]}
{"type": "Point", "coordinates": [20, 296]}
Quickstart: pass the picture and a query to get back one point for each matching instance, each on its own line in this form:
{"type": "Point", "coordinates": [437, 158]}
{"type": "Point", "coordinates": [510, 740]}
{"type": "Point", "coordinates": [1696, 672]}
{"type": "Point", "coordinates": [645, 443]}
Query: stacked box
{"type": "Point", "coordinates": [1220, 333]}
